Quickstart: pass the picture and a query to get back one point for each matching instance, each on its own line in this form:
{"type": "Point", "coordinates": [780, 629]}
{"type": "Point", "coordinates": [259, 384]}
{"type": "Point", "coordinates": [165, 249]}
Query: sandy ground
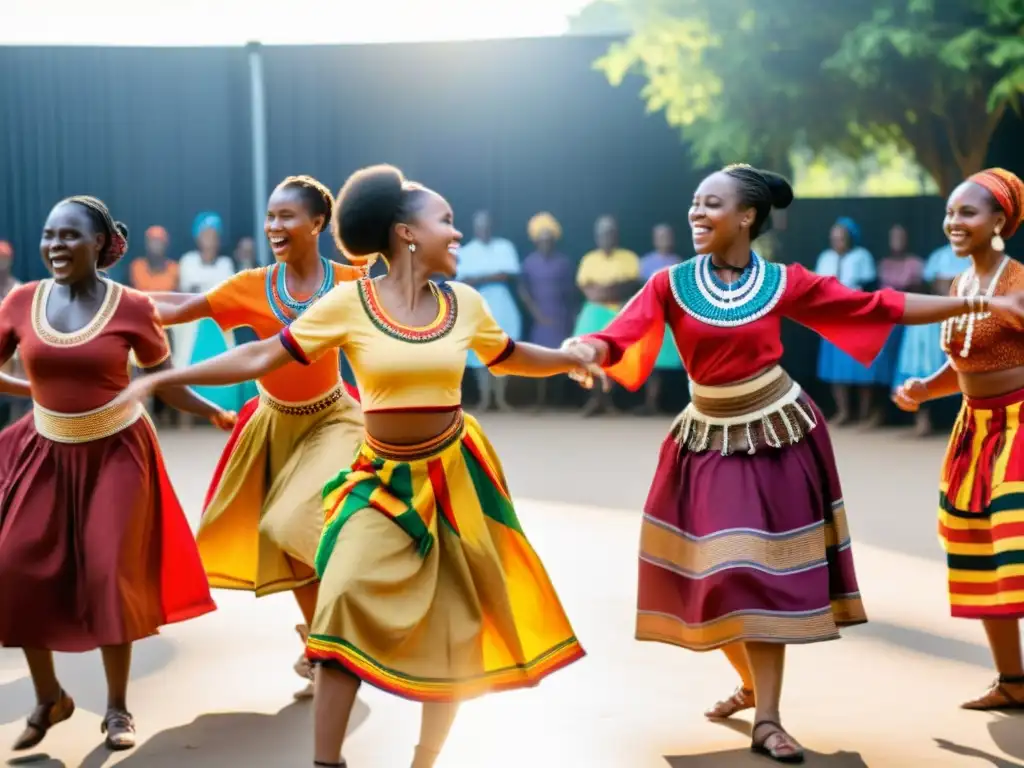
{"type": "Point", "coordinates": [217, 691]}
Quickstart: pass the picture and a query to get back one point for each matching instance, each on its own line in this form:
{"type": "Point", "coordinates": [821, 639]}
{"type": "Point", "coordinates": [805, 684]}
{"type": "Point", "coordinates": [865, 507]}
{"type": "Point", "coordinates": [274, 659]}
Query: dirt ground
{"type": "Point", "coordinates": [217, 691]}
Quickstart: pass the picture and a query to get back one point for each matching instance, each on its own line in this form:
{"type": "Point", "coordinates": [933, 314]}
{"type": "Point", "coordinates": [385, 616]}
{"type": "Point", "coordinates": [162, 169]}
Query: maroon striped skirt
{"type": "Point", "coordinates": [747, 546]}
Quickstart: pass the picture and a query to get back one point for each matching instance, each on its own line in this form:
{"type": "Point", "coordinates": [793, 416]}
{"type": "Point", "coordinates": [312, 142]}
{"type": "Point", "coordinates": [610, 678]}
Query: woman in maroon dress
{"type": "Point", "coordinates": [745, 545]}
{"type": "Point", "coordinates": [95, 551]}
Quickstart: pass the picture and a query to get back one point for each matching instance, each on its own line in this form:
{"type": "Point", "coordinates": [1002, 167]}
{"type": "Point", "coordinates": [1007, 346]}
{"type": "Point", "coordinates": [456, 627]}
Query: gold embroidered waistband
{"type": "Point", "coordinates": [765, 411]}
{"type": "Point", "coordinates": [306, 408]}
{"type": "Point", "coordinates": [85, 427]}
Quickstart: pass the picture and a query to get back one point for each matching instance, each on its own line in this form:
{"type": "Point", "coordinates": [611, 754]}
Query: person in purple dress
{"type": "Point", "coordinates": [548, 291]}
{"type": "Point", "coordinates": [662, 257]}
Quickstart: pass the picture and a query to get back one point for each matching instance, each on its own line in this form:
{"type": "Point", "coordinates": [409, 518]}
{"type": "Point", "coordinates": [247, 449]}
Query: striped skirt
{"type": "Point", "coordinates": [981, 509]}
{"type": "Point", "coordinates": [429, 588]}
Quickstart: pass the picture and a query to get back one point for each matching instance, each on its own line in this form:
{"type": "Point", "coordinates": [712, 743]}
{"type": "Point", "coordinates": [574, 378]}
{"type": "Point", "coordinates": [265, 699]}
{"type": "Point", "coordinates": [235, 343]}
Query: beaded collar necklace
{"type": "Point", "coordinates": [282, 304]}
{"type": "Point", "coordinates": [706, 297]}
{"type": "Point", "coordinates": [968, 286]}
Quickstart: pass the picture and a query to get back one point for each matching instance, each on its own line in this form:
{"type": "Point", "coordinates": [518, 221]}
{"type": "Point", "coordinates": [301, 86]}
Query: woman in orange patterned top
{"type": "Point", "coordinates": [981, 490]}
{"type": "Point", "coordinates": [430, 589]}
{"type": "Point", "coordinates": [95, 551]}
{"type": "Point", "coordinates": [263, 514]}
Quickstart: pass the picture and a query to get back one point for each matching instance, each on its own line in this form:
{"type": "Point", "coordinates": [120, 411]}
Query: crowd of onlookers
{"type": "Point", "coordinates": [549, 295]}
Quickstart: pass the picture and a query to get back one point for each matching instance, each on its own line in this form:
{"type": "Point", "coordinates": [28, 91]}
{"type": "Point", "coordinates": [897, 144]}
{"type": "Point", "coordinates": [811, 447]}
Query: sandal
{"type": "Point", "coordinates": [42, 719]}
{"type": "Point", "coordinates": [777, 744]}
{"type": "Point", "coordinates": [999, 697]}
{"type": "Point", "coordinates": [342, 764]}
{"type": "Point", "coordinates": [742, 698]}
{"type": "Point", "coordinates": [119, 726]}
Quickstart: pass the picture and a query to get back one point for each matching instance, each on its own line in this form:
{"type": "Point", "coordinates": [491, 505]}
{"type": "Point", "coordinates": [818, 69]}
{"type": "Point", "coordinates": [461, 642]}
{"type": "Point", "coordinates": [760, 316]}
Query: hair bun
{"type": "Point", "coordinates": [781, 189]}
{"type": "Point", "coordinates": [122, 228]}
{"type": "Point", "coordinates": [365, 211]}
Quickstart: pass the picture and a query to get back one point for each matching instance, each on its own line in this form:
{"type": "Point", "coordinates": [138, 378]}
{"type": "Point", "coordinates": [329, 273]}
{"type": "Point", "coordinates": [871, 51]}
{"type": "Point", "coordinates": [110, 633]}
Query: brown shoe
{"type": "Point", "coordinates": [742, 699]}
{"type": "Point", "coordinates": [42, 719]}
{"type": "Point", "coordinates": [1006, 694]}
{"type": "Point", "coordinates": [775, 743]}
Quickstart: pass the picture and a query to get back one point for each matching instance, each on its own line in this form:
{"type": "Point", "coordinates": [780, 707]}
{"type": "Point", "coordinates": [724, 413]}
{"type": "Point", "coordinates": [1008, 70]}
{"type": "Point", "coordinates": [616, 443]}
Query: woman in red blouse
{"type": "Point", "coordinates": [745, 545]}
{"type": "Point", "coordinates": [95, 551]}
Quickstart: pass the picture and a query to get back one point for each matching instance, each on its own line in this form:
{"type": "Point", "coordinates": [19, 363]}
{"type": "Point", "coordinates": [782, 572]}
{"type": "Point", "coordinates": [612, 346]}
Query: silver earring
{"type": "Point", "coordinates": [412, 247]}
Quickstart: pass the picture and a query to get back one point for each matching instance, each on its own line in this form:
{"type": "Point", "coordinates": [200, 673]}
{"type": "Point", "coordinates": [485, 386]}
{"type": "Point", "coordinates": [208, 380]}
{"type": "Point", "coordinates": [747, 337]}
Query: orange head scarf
{"type": "Point", "coordinates": [1008, 191]}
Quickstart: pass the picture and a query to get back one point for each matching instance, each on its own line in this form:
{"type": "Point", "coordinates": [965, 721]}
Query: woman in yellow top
{"type": "Point", "coordinates": [263, 513]}
{"type": "Point", "coordinates": [608, 276]}
{"type": "Point", "coordinates": [429, 588]}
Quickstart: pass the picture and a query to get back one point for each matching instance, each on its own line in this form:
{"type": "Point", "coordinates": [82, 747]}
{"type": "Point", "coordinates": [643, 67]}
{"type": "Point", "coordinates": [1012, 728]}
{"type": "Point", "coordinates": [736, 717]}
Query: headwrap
{"type": "Point", "coordinates": [6, 251]}
{"type": "Point", "coordinates": [1008, 191]}
{"type": "Point", "coordinates": [851, 227]}
{"type": "Point", "coordinates": [207, 220]}
{"type": "Point", "coordinates": [541, 223]}
{"type": "Point", "coordinates": [157, 233]}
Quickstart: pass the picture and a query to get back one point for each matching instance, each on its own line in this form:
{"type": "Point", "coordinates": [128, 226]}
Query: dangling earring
{"type": "Point", "coordinates": [412, 247]}
{"type": "Point", "coordinates": [998, 244]}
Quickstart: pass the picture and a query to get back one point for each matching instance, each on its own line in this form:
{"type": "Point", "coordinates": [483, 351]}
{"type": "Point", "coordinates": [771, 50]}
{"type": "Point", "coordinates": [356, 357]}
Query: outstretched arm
{"type": "Point", "coordinates": [185, 399]}
{"type": "Point", "coordinates": [9, 385]}
{"type": "Point", "coordinates": [179, 308]}
{"type": "Point", "coordinates": [242, 363]}
{"type": "Point", "coordinates": [535, 361]}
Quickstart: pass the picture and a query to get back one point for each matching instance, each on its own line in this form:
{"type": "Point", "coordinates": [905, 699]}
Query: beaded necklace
{"type": "Point", "coordinates": [705, 297]}
{"type": "Point", "coordinates": [282, 304]}
{"type": "Point", "coordinates": [968, 286]}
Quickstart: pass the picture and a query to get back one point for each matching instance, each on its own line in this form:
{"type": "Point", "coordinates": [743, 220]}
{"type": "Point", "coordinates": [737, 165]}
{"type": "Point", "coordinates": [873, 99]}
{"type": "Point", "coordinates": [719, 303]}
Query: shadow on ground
{"type": "Point", "coordinates": [81, 675]}
{"type": "Point", "coordinates": [994, 760]}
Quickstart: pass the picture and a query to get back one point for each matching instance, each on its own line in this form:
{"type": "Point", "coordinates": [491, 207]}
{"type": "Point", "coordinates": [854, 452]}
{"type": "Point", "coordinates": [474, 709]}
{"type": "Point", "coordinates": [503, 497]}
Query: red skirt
{"type": "Point", "coordinates": [94, 547]}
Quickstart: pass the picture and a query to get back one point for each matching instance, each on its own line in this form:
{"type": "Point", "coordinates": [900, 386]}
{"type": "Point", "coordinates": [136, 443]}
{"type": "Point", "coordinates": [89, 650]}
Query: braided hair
{"type": "Point", "coordinates": [314, 194]}
{"type": "Point", "coordinates": [762, 191]}
{"type": "Point", "coordinates": [372, 201]}
{"type": "Point", "coordinates": [104, 223]}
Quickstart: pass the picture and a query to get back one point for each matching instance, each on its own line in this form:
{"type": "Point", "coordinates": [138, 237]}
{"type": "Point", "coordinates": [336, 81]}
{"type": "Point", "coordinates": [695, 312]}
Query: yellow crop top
{"type": "Point", "coordinates": [398, 367]}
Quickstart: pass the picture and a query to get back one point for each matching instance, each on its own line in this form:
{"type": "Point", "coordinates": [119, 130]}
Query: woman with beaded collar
{"type": "Point", "coordinates": [745, 545]}
{"type": "Point", "coordinates": [262, 518]}
{"type": "Point", "coordinates": [981, 507]}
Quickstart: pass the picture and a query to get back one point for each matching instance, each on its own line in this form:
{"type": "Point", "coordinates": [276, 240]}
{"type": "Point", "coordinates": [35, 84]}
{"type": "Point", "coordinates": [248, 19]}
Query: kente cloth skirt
{"type": "Point", "coordinates": [429, 588]}
{"type": "Point", "coordinates": [744, 536]}
{"type": "Point", "coordinates": [264, 510]}
{"type": "Point", "coordinates": [94, 547]}
{"type": "Point", "coordinates": [981, 509]}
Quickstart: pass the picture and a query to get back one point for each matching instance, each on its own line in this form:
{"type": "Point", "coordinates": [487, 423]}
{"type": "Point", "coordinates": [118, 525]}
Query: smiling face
{"type": "Point", "coordinates": [717, 216]}
{"type": "Point", "coordinates": [972, 219]}
{"type": "Point", "coordinates": [432, 230]}
{"type": "Point", "coordinates": [291, 231]}
{"type": "Point", "coordinates": [70, 246]}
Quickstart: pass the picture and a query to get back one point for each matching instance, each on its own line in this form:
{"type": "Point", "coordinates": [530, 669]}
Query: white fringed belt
{"type": "Point", "coordinates": [764, 412]}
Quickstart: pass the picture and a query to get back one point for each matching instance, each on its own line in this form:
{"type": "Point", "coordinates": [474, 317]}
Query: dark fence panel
{"type": "Point", "coordinates": [159, 134]}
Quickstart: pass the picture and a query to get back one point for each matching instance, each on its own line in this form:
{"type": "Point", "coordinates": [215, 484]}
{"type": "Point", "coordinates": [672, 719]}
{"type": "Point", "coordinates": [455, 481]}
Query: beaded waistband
{"type": "Point", "coordinates": [418, 451]}
{"type": "Point", "coordinates": [85, 427]}
{"type": "Point", "coordinates": [306, 408]}
{"type": "Point", "coordinates": [765, 411]}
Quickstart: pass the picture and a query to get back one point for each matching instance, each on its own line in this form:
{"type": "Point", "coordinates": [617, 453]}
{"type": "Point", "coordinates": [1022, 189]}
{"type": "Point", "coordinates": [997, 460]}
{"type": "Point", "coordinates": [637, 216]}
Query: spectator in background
{"type": "Point", "coordinates": [921, 352]}
{"type": "Point", "coordinates": [663, 256]}
{"type": "Point", "coordinates": [11, 408]}
{"type": "Point", "coordinates": [548, 292]}
{"type": "Point", "coordinates": [154, 272]}
{"type": "Point", "coordinates": [245, 254]}
{"type": "Point", "coordinates": [489, 264]}
{"type": "Point", "coordinates": [608, 276]}
{"type": "Point", "coordinates": [199, 271]}
{"type": "Point", "coordinates": [854, 267]}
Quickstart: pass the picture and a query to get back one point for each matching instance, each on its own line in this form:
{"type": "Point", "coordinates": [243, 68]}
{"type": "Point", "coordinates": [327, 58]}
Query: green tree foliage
{"type": "Point", "coordinates": [747, 81]}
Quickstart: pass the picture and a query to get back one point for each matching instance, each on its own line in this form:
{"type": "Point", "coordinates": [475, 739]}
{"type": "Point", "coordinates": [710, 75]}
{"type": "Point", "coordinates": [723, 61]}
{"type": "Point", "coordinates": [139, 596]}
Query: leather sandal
{"type": "Point", "coordinates": [119, 726]}
{"type": "Point", "coordinates": [42, 719]}
{"type": "Point", "coordinates": [999, 696]}
{"type": "Point", "coordinates": [777, 744]}
{"type": "Point", "coordinates": [741, 699]}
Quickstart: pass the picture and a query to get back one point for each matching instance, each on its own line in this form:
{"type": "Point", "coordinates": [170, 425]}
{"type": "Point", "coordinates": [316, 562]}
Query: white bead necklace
{"type": "Point", "coordinates": [968, 286]}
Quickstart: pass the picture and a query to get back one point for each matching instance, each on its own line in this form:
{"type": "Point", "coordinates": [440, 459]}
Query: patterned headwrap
{"type": "Point", "coordinates": [1008, 191]}
{"type": "Point", "coordinates": [851, 227]}
{"type": "Point", "coordinates": [157, 233]}
{"type": "Point", "coordinates": [6, 251]}
{"type": "Point", "coordinates": [207, 220]}
{"type": "Point", "coordinates": [541, 223]}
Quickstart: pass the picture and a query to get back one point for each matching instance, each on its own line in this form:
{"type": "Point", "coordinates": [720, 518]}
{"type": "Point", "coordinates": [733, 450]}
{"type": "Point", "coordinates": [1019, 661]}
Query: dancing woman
{"type": "Point", "coordinates": [981, 509]}
{"type": "Point", "coordinates": [429, 587]}
{"type": "Point", "coordinates": [263, 513]}
{"type": "Point", "coordinates": [745, 544]}
{"type": "Point", "coordinates": [95, 551]}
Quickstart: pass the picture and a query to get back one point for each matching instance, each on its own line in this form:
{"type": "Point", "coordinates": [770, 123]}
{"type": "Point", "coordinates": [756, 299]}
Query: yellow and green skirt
{"type": "Point", "coordinates": [429, 588]}
{"type": "Point", "coordinates": [264, 511]}
{"type": "Point", "coordinates": [981, 509]}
